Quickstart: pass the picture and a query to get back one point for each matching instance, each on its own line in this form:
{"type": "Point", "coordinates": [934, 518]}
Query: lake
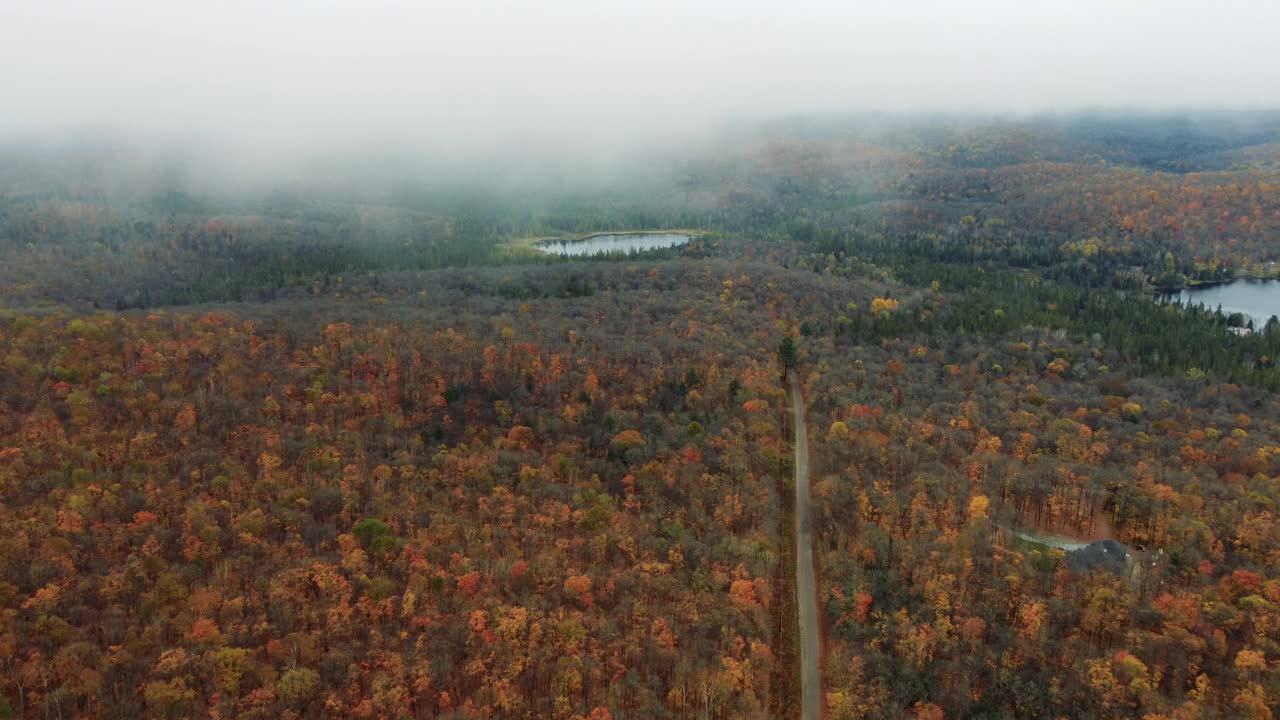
{"type": "Point", "coordinates": [627, 243]}
{"type": "Point", "coordinates": [1257, 299]}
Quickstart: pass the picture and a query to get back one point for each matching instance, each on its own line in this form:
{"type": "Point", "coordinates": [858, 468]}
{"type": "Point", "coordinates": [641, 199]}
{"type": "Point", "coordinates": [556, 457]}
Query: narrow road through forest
{"type": "Point", "coordinates": [806, 595]}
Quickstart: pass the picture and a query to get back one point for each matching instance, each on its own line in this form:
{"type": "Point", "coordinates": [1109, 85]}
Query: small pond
{"type": "Point", "coordinates": [628, 243]}
{"type": "Point", "coordinates": [1256, 299]}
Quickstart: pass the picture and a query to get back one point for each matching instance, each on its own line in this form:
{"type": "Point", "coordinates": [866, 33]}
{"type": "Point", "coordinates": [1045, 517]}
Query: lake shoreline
{"type": "Point", "coordinates": [612, 243]}
{"type": "Point", "coordinates": [1257, 299]}
{"type": "Point", "coordinates": [532, 246]}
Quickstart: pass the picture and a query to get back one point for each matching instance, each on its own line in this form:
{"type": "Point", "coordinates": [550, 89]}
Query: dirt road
{"type": "Point", "coordinates": [806, 595]}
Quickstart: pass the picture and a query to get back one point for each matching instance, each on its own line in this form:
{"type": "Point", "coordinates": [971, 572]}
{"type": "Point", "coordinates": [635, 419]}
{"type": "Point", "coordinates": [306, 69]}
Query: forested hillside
{"type": "Point", "coordinates": [344, 451]}
{"type": "Point", "coordinates": [1102, 200]}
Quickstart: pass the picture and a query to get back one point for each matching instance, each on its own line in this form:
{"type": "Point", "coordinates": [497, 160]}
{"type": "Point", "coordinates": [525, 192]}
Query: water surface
{"type": "Point", "coordinates": [630, 242]}
{"type": "Point", "coordinates": [1256, 299]}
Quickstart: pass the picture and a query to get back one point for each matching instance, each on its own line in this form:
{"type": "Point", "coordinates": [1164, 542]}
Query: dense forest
{"type": "Point", "coordinates": [931, 455]}
{"type": "Point", "coordinates": [319, 452]}
{"type": "Point", "coordinates": [438, 504]}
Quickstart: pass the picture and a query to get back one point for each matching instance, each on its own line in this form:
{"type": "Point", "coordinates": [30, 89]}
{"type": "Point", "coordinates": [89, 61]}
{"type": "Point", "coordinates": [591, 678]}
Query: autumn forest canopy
{"type": "Point", "coordinates": [345, 444]}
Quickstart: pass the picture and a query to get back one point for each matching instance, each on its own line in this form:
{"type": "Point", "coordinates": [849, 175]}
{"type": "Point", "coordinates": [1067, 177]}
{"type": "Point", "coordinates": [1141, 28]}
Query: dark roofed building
{"type": "Point", "coordinates": [1105, 554]}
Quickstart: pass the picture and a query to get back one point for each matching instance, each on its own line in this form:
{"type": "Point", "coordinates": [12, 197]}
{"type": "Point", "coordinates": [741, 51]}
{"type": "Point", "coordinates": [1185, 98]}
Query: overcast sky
{"type": "Point", "coordinates": [301, 71]}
